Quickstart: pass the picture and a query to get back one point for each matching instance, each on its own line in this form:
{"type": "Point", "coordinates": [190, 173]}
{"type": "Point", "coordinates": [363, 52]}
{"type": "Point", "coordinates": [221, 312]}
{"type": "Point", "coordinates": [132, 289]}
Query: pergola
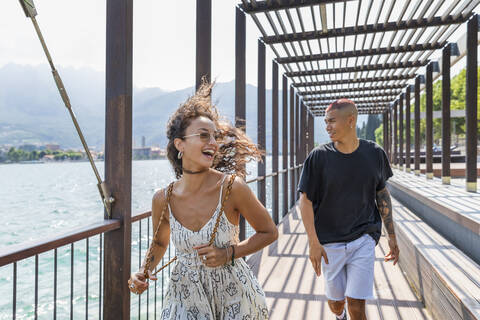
{"type": "Point", "coordinates": [373, 53]}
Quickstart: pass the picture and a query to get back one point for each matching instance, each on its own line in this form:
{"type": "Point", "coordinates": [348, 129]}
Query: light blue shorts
{"type": "Point", "coordinates": [349, 272]}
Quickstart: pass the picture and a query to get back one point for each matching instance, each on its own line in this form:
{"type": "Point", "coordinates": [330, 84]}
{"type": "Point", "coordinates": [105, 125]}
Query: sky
{"type": "Point", "coordinates": [163, 39]}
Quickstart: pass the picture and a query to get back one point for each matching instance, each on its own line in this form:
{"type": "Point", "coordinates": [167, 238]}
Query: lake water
{"type": "Point", "coordinates": [42, 200]}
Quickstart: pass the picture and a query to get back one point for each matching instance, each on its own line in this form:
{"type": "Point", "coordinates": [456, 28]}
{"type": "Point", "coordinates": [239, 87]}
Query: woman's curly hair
{"type": "Point", "coordinates": [235, 148]}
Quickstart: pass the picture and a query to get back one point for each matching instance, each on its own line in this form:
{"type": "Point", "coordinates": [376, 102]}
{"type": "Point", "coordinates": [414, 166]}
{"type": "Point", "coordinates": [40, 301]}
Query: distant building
{"type": "Point", "coordinates": [141, 153]}
{"type": "Point", "coordinates": [48, 157]}
{"type": "Point", "coordinates": [143, 141]}
{"type": "Point", "coordinates": [28, 147]}
{"type": "Point", "coordinates": [53, 147]}
{"type": "Point", "coordinates": [157, 153]}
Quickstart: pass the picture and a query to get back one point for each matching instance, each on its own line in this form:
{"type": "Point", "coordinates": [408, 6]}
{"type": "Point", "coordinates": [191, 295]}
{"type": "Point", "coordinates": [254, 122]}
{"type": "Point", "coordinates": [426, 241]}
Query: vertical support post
{"type": "Point", "coordinates": [385, 131]}
{"type": "Point", "coordinates": [292, 145]}
{"type": "Point", "coordinates": [312, 131]}
{"type": "Point", "coordinates": [395, 132]}
{"type": "Point", "coordinates": [408, 137]}
{"type": "Point", "coordinates": [390, 134]}
{"type": "Point", "coordinates": [417, 126]}
{"type": "Point", "coordinates": [285, 143]}
{"type": "Point", "coordinates": [240, 84]}
{"type": "Point", "coordinates": [311, 126]}
{"type": "Point", "coordinates": [400, 131]}
{"type": "Point", "coordinates": [297, 142]}
{"type": "Point", "coordinates": [429, 122]}
{"type": "Point", "coordinates": [303, 131]}
{"type": "Point", "coordinates": [261, 133]}
{"type": "Point", "coordinates": [118, 156]}
{"type": "Point", "coordinates": [275, 141]}
{"type": "Point", "coordinates": [204, 41]}
{"type": "Point", "coordinates": [471, 116]}
{"type": "Point", "coordinates": [446, 53]}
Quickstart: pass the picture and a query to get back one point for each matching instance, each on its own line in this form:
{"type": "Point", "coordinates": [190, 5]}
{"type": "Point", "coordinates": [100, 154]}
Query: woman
{"type": "Point", "coordinates": [208, 281]}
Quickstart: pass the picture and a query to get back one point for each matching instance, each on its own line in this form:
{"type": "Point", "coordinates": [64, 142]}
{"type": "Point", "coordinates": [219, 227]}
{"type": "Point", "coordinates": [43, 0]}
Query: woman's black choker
{"type": "Point", "coordinates": [194, 172]}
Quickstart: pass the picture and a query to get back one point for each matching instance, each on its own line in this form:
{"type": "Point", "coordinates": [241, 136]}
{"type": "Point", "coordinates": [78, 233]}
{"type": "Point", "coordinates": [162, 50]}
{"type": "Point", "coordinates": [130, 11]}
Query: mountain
{"type": "Point", "coordinates": [31, 110]}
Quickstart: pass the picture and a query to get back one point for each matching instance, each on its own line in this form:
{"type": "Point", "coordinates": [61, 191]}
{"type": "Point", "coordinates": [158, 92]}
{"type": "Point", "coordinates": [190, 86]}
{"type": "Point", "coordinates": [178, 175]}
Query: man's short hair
{"type": "Point", "coordinates": [342, 104]}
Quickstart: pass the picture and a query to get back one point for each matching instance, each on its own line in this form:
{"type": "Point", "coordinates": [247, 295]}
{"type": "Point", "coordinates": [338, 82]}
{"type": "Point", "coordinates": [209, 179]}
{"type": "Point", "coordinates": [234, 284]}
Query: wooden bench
{"type": "Point", "coordinates": [448, 209]}
{"type": "Point", "coordinates": [446, 280]}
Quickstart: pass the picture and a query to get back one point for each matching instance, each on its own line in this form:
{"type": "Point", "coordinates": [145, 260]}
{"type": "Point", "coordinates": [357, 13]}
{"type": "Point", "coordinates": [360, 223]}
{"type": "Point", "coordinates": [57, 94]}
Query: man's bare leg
{"type": "Point", "coordinates": [356, 309]}
{"type": "Point", "coordinates": [336, 306]}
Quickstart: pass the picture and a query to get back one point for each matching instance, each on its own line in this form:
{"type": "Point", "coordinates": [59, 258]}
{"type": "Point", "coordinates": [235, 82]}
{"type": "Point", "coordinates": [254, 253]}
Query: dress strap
{"type": "Point", "coordinates": [221, 192]}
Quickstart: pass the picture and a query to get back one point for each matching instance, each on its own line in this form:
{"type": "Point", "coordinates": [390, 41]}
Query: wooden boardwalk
{"type": "Point", "coordinates": [294, 292]}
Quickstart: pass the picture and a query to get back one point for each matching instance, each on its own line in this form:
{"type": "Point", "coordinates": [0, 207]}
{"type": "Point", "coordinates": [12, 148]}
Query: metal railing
{"type": "Point", "coordinates": [18, 255]}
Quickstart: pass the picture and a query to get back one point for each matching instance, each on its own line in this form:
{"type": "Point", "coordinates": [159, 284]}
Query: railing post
{"type": "Point", "coordinates": [429, 122]}
{"type": "Point", "coordinates": [471, 116]}
{"type": "Point", "coordinates": [292, 145]}
{"type": "Point", "coordinates": [203, 41]}
{"type": "Point", "coordinates": [261, 128]}
{"type": "Point", "coordinates": [240, 83]}
{"type": "Point", "coordinates": [285, 143]}
{"type": "Point", "coordinates": [417, 125]}
{"type": "Point", "coordinates": [446, 52]}
{"type": "Point", "coordinates": [408, 137]}
{"type": "Point", "coordinates": [275, 141]}
{"type": "Point", "coordinates": [118, 156]}
{"type": "Point", "coordinates": [400, 131]}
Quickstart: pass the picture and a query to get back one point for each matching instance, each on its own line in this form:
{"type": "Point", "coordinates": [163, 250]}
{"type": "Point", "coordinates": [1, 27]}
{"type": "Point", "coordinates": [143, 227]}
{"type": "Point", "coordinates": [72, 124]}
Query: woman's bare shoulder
{"type": "Point", "coordinates": [159, 201]}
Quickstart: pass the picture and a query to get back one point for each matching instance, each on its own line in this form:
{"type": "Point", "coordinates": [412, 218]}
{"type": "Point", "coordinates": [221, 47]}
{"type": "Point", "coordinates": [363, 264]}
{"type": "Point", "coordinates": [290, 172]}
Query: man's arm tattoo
{"type": "Point", "coordinates": [384, 205]}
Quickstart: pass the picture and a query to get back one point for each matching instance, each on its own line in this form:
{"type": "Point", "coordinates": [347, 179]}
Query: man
{"type": "Point", "coordinates": [343, 201]}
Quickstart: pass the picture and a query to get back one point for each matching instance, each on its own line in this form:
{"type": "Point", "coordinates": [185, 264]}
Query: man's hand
{"type": "Point", "coordinates": [317, 251]}
{"type": "Point", "coordinates": [394, 251]}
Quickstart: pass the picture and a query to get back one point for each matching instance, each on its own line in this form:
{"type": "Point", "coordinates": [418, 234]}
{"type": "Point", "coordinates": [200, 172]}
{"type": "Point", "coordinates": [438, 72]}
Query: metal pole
{"type": "Point", "coordinates": [471, 117]}
{"type": "Point", "coordinates": [275, 141]}
{"type": "Point", "coordinates": [240, 84]}
{"type": "Point", "coordinates": [417, 126]}
{"type": "Point", "coordinates": [292, 146]}
{"type": "Point", "coordinates": [285, 143]}
{"type": "Point", "coordinates": [261, 128]}
{"type": "Point", "coordinates": [446, 140]}
{"type": "Point", "coordinates": [204, 42]}
{"type": "Point", "coordinates": [400, 131]}
{"type": "Point", "coordinates": [118, 156]}
{"type": "Point", "coordinates": [429, 124]}
{"type": "Point", "coordinates": [408, 138]}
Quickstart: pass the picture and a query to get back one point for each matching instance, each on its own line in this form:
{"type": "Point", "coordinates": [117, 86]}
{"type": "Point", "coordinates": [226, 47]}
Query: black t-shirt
{"type": "Point", "coordinates": [342, 188]}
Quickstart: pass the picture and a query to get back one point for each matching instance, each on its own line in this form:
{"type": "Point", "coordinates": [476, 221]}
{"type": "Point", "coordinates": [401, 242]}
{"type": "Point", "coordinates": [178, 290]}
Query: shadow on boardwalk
{"type": "Point", "coordinates": [294, 292]}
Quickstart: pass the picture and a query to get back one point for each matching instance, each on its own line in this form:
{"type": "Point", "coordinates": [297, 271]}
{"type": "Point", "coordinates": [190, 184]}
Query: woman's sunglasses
{"type": "Point", "coordinates": [206, 136]}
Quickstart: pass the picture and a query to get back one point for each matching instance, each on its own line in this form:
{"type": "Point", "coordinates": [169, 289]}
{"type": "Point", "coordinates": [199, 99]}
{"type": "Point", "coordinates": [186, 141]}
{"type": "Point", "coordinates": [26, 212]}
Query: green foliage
{"type": "Point", "coordinates": [17, 155]}
{"type": "Point", "coordinates": [457, 102]}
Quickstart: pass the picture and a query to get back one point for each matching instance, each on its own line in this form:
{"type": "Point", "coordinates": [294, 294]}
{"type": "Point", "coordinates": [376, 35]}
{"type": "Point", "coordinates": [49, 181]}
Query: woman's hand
{"type": "Point", "coordinates": [212, 256]}
{"type": "Point", "coordinates": [138, 283]}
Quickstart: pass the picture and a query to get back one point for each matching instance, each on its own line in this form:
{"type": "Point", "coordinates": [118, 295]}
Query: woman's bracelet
{"type": "Point", "coordinates": [233, 255]}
